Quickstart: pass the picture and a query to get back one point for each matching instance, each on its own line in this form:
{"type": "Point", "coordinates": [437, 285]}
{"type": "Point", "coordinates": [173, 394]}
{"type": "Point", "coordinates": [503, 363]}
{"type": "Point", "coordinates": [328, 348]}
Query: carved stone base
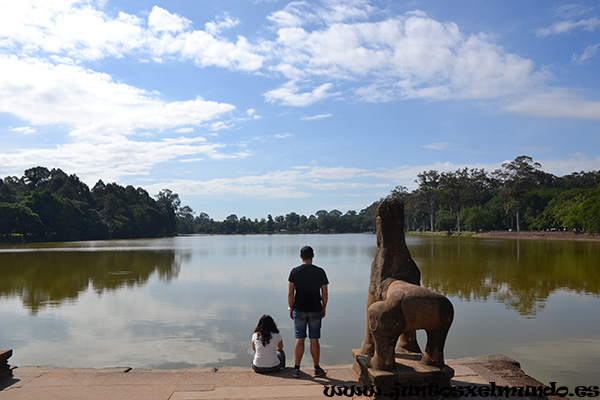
{"type": "Point", "coordinates": [409, 371]}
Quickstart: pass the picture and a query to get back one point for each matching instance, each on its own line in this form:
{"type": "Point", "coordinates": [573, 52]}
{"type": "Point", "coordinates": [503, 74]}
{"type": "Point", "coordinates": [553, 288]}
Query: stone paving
{"type": "Point", "coordinates": [33, 383]}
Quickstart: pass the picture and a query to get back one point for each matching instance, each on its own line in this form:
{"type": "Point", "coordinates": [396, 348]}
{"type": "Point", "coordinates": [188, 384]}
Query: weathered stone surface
{"type": "Point", "coordinates": [236, 383]}
{"type": "Point", "coordinates": [409, 370]}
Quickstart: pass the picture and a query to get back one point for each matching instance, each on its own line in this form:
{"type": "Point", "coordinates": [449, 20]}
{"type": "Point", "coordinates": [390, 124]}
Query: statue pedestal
{"type": "Point", "coordinates": [408, 372]}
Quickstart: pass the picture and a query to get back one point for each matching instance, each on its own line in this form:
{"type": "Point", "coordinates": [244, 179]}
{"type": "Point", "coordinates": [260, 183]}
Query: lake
{"type": "Point", "coordinates": [193, 301]}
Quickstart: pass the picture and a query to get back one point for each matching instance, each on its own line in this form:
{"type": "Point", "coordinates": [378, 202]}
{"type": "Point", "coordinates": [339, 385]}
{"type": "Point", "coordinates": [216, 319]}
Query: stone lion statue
{"type": "Point", "coordinates": [397, 305]}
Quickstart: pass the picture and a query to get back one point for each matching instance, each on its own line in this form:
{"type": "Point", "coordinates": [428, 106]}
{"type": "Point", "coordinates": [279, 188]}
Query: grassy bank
{"type": "Point", "coordinates": [534, 235]}
{"type": "Point", "coordinates": [436, 233]}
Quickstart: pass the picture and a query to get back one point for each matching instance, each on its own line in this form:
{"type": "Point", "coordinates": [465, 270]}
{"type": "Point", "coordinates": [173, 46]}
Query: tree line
{"type": "Point", "coordinates": [322, 221]}
{"type": "Point", "coordinates": [50, 205]}
{"type": "Point", "coordinates": [518, 196]}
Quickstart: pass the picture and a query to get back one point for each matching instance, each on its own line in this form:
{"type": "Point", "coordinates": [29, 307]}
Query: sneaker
{"type": "Point", "coordinates": [319, 371]}
{"type": "Point", "coordinates": [295, 373]}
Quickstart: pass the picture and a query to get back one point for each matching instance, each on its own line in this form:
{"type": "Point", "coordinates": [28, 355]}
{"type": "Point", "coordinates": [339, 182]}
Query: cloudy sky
{"type": "Point", "coordinates": [266, 106]}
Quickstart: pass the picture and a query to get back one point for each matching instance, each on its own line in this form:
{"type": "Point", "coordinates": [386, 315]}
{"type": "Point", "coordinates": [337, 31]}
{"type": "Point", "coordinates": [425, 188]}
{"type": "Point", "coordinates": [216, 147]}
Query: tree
{"type": "Point", "coordinates": [518, 177]}
{"type": "Point", "coordinates": [185, 220]}
{"type": "Point", "coordinates": [444, 220]}
{"type": "Point", "coordinates": [270, 225]}
{"type": "Point", "coordinates": [36, 176]}
{"type": "Point", "coordinates": [169, 202]}
{"type": "Point", "coordinates": [321, 213]}
{"type": "Point", "coordinates": [65, 219]}
{"type": "Point", "coordinates": [477, 219]}
{"type": "Point", "coordinates": [17, 218]}
{"type": "Point", "coordinates": [399, 192]}
{"type": "Point", "coordinates": [453, 186]}
{"type": "Point", "coordinates": [292, 222]}
{"type": "Point", "coordinates": [335, 213]}
{"type": "Point", "coordinates": [429, 187]}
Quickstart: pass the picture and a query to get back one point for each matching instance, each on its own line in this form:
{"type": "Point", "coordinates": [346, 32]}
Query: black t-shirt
{"type": "Point", "coordinates": [308, 279]}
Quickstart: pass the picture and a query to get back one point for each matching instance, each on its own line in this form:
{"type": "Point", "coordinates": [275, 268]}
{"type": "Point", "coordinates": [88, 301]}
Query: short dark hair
{"type": "Point", "coordinates": [307, 253]}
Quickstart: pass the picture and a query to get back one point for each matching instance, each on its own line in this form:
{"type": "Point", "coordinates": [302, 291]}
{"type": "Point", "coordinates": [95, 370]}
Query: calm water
{"type": "Point", "coordinates": [193, 301]}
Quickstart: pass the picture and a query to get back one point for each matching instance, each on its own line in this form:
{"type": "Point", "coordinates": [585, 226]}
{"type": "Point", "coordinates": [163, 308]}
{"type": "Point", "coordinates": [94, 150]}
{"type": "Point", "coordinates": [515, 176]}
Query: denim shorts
{"type": "Point", "coordinates": [312, 320]}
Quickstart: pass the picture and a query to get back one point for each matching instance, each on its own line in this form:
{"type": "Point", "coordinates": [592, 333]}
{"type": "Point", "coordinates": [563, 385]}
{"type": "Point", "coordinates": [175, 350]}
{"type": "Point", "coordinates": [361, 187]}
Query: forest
{"type": "Point", "coordinates": [50, 205]}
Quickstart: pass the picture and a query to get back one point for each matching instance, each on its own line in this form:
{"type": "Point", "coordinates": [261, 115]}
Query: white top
{"type": "Point", "coordinates": [266, 356]}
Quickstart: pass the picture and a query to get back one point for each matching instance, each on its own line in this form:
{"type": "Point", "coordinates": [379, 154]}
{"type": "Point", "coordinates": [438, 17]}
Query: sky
{"type": "Point", "coordinates": [269, 107]}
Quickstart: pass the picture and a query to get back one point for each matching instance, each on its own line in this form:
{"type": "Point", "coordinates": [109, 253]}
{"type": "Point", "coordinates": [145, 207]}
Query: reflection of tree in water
{"type": "Point", "coordinates": [520, 274]}
{"type": "Point", "coordinates": [49, 278]}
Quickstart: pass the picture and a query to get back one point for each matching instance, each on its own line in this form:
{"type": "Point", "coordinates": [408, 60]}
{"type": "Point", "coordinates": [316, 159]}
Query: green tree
{"type": "Point", "coordinates": [36, 177]}
{"type": "Point", "coordinates": [168, 203]}
{"type": "Point", "coordinates": [185, 220]}
{"type": "Point", "coordinates": [429, 189]}
{"type": "Point", "coordinates": [65, 219]}
{"type": "Point", "coordinates": [477, 219]}
{"type": "Point", "coordinates": [17, 218]}
{"type": "Point", "coordinates": [519, 177]}
{"type": "Point", "coordinates": [444, 220]}
{"type": "Point", "coordinates": [292, 222]}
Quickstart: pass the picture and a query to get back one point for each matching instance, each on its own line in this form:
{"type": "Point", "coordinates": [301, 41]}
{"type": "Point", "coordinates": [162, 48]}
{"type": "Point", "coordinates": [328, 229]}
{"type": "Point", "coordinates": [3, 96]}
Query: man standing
{"type": "Point", "coordinates": [307, 300]}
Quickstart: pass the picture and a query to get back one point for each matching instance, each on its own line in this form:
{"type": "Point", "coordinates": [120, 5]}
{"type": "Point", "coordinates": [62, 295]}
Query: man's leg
{"type": "Point", "coordinates": [315, 351]}
{"type": "Point", "coordinates": [300, 322]}
{"type": "Point", "coordinates": [299, 351]}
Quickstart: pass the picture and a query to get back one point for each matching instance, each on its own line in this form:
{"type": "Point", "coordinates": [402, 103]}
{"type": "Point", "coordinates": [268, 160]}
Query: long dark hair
{"type": "Point", "coordinates": [265, 326]}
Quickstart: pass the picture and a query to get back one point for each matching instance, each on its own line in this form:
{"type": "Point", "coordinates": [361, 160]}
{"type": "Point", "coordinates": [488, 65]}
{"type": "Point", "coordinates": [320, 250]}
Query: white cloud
{"type": "Point", "coordinates": [69, 28]}
{"type": "Point", "coordinates": [447, 146]}
{"type": "Point", "coordinates": [78, 30]}
{"type": "Point", "coordinates": [113, 157]}
{"type": "Point", "coordinates": [316, 117]}
{"type": "Point", "coordinates": [219, 126]}
{"type": "Point", "coordinates": [215, 28]}
{"type": "Point", "coordinates": [563, 27]}
{"type": "Point", "coordinates": [288, 94]}
{"type": "Point", "coordinates": [588, 53]}
{"type": "Point", "coordinates": [161, 20]}
{"type": "Point", "coordinates": [282, 184]}
{"type": "Point", "coordinates": [394, 57]}
{"type": "Point", "coordinates": [409, 56]}
{"type": "Point", "coordinates": [90, 102]}
{"type": "Point", "coordinates": [556, 103]}
{"type": "Point", "coordinates": [572, 11]}
{"type": "Point", "coordinates": [283, 135]}
{"type": "Point", "coordinates": [24, 130]}
{"type": "Point", "coordinates": [298, 13]}
{"type": "Point", "coordinates": [576, 163]}
{"type": "Point", "coordinates": [251, 112]}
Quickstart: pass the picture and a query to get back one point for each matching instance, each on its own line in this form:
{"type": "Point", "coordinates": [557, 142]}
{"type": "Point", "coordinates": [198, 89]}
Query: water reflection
{"type": "Point", "coordinates": [48, 278]}
{"type": "Point", "coordinates": [519, 274]}
{"type": "Point", "coordinates": [193, 301]}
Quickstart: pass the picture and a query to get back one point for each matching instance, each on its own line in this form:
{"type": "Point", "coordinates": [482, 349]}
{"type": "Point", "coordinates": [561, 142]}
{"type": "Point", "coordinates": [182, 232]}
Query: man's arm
{"type": "Point", "coordinates": [291, 289]}
{"type": "Point", "coordinates": [324, 298]}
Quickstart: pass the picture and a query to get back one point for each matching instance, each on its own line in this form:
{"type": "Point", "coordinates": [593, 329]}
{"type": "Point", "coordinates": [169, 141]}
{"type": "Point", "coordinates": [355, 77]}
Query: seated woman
{"type": "Point", "coordinates": [268, 347]}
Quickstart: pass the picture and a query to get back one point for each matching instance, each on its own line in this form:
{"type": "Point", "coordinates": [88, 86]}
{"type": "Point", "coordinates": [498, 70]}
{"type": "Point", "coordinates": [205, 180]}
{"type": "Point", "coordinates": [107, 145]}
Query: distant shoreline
{"type": "Point", "coordinates": [526, 235]}
{"type": "Point", "coordinates": [541, 235]}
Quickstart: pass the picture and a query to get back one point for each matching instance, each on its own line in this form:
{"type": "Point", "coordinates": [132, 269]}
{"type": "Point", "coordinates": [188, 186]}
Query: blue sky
{"type": "Point", "coordinates": [258, 107]}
